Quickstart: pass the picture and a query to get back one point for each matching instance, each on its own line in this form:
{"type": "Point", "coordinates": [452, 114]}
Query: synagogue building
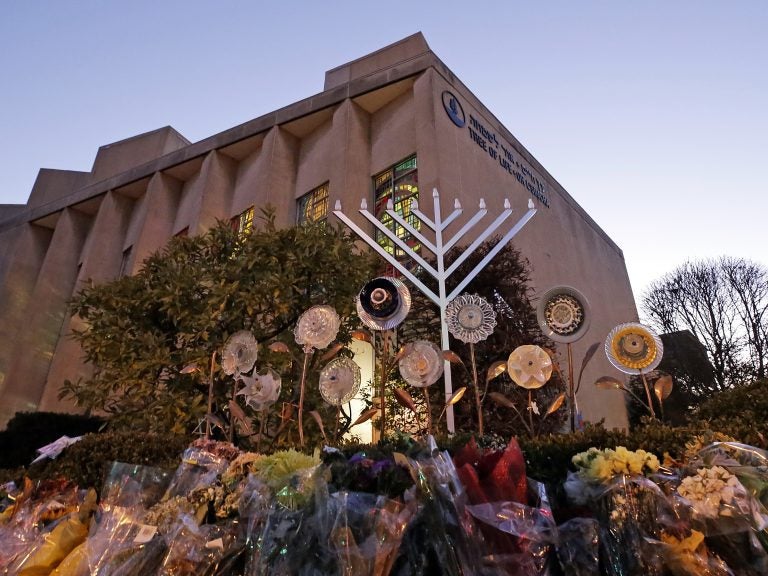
{"type": "Point", "coordinates": [392, 125]}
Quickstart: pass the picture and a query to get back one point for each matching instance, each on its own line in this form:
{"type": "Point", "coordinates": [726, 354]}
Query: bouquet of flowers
{"type": "Point", "coordinates": [732, 520]}
{"type": "Point", "coordinates": [518, 537]}
{"type": "Point", "coordinates": [626, 504]}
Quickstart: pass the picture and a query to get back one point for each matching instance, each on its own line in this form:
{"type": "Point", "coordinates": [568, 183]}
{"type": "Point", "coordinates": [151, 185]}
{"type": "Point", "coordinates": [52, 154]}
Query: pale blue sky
{"type": "Point", "coordinates": [651, 114]}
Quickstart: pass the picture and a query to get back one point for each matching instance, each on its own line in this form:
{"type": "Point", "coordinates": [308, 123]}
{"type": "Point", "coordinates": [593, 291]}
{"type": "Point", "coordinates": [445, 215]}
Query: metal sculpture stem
{"type": "Point", "coordinates": [384, 376]}
{"type": "Point", "coordinates": [478, 400]}
{"type": "Point", "coordinates": [307, 354]}
{"type": "Point", "coordinates": [210, 399]}
{"type": "Point", "coordinates": [648, 394]}
{"type": "Point", "coordinates": [571, 388]}
{"type": "Point", "coordinates": [439, 248]}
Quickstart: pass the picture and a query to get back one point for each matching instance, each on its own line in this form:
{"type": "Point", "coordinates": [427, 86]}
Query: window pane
{"type": "Point", "coordinates": [313, 206]}
{"type": "Point", "coordinates": [400, 184]}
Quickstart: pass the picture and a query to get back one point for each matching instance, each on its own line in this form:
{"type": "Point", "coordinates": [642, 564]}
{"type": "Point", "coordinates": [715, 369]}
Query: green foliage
{"type": "Point", "coordinates": [143, 330]}
{"type": "Point", "coordinates": [741, 409]}
{"type": "Point", "coordinates": [87, 461]}
{"type": "Point", "coordinates": [28, 431]}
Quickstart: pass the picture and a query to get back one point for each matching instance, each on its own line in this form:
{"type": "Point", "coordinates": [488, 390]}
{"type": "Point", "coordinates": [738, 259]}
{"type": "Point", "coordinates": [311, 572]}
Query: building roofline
{"type": "Point", "coordinates": [414, 64]}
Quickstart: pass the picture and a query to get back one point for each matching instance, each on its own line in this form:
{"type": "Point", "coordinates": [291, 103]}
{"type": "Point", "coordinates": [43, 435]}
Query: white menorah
{"type": "Point", "coordinates": [439, 248]}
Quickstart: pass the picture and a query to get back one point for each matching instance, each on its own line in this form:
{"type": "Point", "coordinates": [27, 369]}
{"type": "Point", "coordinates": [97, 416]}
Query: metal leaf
{"type": "Point", "coordinates": [316, 415]}
{"type": "Point", "coordinates": [556, 404]}
{"type": "Point", "coordinates": [587, 357]}
{"type": "Point", "coordinates": [404, 399]}
{"type": "Point", "coordinates": [286, 413]}
{"type": "Point", "coordinates": [663, 387]}
{"type": "Point", "coordinates": [365, 416]}
{"type": "Point", "coordinates": [332, 351]}
{"type": "Point", "coordinates": [215, 420]}
{"type": "Point", "coordinates": [458, 395]}
{"type": "Point", "coordinates": [400, 354]}
{"type": "Point", "coordinates": [496, 370]}
{"type": "Point", "coordinates": [280, 347]}
{"type": "Point", "coordinates": [501, 400]}
{"type": "Point", "coordinates": [361, 335]}
{"type": "Point", "coordinates": [238, 414]}
{"type": "Point", "coordinates": [609, 383]}
{"type": "Point", "coordinates": [189, 369]}
{"type": "Point", "coordinates": [452, 357]}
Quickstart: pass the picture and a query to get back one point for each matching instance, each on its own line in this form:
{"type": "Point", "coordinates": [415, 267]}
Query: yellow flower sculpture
{"type": "Point", "coordinates": [529, 366]}
{"type": "Point", "coordinates": [634, 348]}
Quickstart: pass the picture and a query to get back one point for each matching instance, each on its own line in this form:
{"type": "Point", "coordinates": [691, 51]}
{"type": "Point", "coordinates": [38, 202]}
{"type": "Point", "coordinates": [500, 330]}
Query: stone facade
{"type": "Point", "coordinates": [80, 227]}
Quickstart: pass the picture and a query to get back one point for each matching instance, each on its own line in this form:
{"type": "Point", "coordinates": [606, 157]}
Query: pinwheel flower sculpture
{"type": "Point", "coordinates": [262, 389]}
{"type": "Point", "coordinates": [563, 314]}
{"type": "Point", "coordinates": [316, 328]}
{"type": "Point", "coordinates": [471, 319]}
{"type": "Point", "coordinates": [530, 367]}
{"type": "Point", "coordinates": [635, 349]}
{"type": "Point", "coordinates": [421, 365]}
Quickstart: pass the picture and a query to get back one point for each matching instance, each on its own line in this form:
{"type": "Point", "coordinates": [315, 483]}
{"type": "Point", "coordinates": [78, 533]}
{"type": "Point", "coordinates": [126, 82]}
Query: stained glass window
{"type": "Point", "coordinates": [400, 183]}
{"type": "Point", "coordinates": [243, 223]}
{"type": "Point", "coordinates": [313, 206]}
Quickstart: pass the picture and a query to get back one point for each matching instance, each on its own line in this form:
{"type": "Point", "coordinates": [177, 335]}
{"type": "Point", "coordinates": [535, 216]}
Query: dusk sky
{"type": "Point", "coordinates": [653, 115]}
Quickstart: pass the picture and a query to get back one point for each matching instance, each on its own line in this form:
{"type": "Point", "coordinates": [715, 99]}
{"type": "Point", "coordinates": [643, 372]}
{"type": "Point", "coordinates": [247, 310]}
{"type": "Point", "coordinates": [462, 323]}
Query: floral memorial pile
{"type": "Point", "coordinates": [421, 511]}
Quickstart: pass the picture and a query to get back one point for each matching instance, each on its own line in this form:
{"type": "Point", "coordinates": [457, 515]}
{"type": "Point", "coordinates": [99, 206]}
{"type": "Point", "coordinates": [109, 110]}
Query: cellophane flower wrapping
{"type": "Point", "coordinates": [731, 518]}
{"type": "Point", "coordinates": [578, 547]}
{"type": "Point", "coordinates": [56, 540]}
{"type": "Point", "coordinates": [33, 517]}
{"type": "Point", "coordinates": [626, 505]}
{"type": "Point", "coordinates": [512, 511]}
{"type": "Point", "coordinates": [120, 540]}
{"type": "Point", "coordinates": [443, 537]}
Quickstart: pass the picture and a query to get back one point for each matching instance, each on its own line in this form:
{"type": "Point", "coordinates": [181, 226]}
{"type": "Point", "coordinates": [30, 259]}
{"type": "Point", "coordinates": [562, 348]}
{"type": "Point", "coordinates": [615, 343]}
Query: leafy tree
{"type": "Point", "coordinates": [724, 304]}
{"type": "Point", "coordinates": [180, 308]}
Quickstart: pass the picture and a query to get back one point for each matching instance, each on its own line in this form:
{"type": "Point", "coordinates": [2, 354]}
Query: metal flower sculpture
{"type": "Point", "coordinates": [383, 303]}
{"type": "Point", "coordinates": [316, 328]}
{"type": "Point", "coordinates": [471, 319]}
{"type": "Point", "coordinates": [339, 381]}
{"type": "Point", "coordinates": [421, 364]}
{"type": "Point", "coordinates": [529, 367]}
{"type": "Point", "coordinates": [563, 314]}
{"type": "Point", "coordinates": [239, 354]}
{"type": "Point", "coordinates": [262, 389]}
{"type": "Point", "coordinates": [635, 349]}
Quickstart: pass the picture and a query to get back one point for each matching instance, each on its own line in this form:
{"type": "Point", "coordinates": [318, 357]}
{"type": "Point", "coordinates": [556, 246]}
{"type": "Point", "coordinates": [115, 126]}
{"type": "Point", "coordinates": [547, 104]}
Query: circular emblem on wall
{"type": "Point", "coordinates": [453, 109]}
